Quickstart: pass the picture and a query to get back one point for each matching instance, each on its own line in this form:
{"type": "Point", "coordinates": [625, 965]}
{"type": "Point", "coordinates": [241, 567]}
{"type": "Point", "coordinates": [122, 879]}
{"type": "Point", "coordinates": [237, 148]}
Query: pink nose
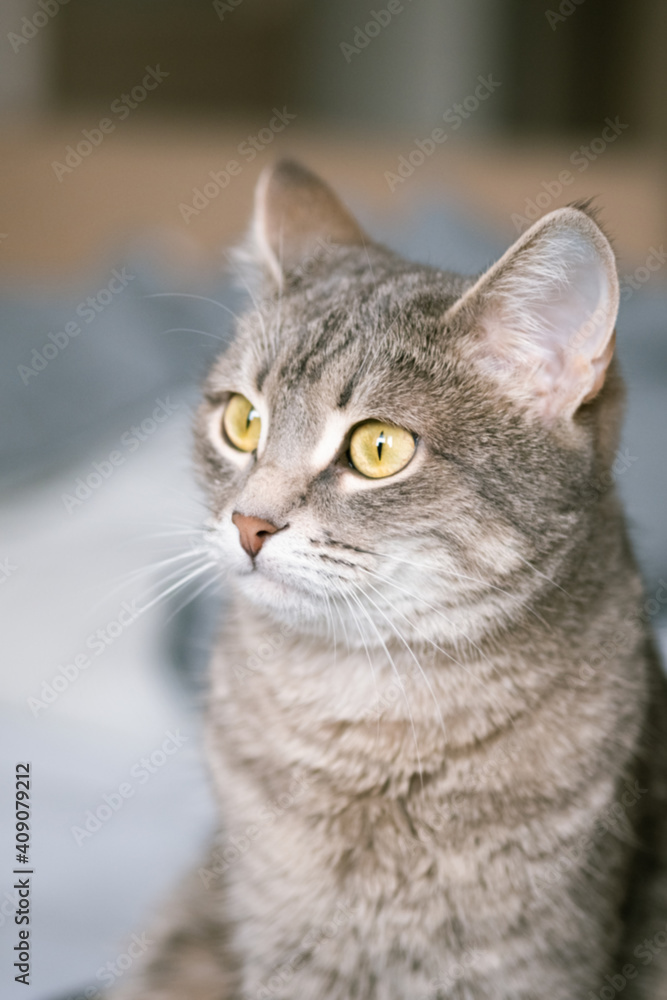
{"type": "Point", "coordinates": [253, 531]}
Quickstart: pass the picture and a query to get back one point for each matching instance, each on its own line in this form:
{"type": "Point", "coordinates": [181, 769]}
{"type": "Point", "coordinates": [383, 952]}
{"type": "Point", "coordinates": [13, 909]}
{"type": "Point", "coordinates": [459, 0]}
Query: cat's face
{"type": "Point", "coordinates": [381, 449]}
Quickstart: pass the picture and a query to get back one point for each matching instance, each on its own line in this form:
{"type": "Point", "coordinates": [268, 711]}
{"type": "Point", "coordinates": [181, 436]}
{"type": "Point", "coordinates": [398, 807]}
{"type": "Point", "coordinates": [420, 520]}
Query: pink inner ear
{"type": "Point", "coordinates": [600, 366]}
{"type": "Point", "coordinates": [548, 321]}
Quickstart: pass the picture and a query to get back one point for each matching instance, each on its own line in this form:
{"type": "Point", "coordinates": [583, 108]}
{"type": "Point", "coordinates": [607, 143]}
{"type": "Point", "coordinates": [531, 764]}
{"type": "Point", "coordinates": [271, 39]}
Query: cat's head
{"type": "Point", "coordinates": [403, 449]}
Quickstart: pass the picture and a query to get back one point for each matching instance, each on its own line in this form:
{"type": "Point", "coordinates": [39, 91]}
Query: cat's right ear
{"type": "Point", "coordinates": [296, 216]}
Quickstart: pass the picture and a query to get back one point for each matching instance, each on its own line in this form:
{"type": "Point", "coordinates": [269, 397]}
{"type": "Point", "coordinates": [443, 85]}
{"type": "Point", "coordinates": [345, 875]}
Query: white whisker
{"type": "Point", "coordinates": [409, 649]}
{"type": "Point", "coordinates": [190, 295]}
{"type": "Point", "coordinates": [543, 575]}
{"type": "Point", "coordinates": [421, 600]}
{"type": "Point", "coordinates": [433, 568]}
{"type": "Point", "coordinates": [191, 597]}
{"type": "Point", "coordinates": [176, 586]}
{"type": "Point", "coordinates": [125, 579]}
{"type": "Point", "coordinates": [366, 648]}
{"type": "Point", "coordinates": [458, 663]}
{"type": "Point", "coordinates": [400, 684]}
{"type": "Point", "coordinates": [189, 329]}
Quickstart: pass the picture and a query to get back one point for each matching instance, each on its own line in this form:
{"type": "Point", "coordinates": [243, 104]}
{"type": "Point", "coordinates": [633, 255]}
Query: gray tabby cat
{"type": "Point", "coordinates": [436, 723]}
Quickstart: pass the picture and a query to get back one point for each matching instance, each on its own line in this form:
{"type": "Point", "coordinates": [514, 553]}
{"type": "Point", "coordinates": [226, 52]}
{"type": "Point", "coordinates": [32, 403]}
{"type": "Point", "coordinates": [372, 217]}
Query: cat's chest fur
{"type": "Point", "coordinates": [317, 763]}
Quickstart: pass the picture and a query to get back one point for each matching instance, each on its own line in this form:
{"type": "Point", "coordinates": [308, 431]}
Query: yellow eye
{"type": "Point", "coordinates": [241, 423]}
{"type": "Point", "coordinates": [378, 449]}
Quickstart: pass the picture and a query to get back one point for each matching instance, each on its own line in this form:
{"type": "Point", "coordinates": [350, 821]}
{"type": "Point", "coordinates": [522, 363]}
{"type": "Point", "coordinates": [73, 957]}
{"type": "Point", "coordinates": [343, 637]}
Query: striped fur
{"type": "Point", "coordinates": [436, 723]}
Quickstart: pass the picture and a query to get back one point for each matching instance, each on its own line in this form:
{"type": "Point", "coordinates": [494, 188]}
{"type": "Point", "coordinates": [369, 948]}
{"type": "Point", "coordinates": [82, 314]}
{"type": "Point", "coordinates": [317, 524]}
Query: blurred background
{"type": "Point", "coordinates": [132, 134]}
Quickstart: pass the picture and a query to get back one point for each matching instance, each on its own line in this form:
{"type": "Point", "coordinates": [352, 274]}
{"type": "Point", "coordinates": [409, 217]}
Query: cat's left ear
{"type": "Point", "coordinates": [541, 320]}
{"type": "Point", "coordinates": [297, 217]}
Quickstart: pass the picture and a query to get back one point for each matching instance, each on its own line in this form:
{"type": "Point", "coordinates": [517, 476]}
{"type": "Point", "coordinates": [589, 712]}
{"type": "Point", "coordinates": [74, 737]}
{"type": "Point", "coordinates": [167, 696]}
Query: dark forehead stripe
{"type": "Point", "coordinates": [333, 338]}
{"type": "Point", "coordinates": [260, 378]}
{"type": "Point", "coordinates": [329, 330]}
{"type": "Point", "coordinates": [215, 397]}
{"type": "Point", "coordinates": [348, 389]}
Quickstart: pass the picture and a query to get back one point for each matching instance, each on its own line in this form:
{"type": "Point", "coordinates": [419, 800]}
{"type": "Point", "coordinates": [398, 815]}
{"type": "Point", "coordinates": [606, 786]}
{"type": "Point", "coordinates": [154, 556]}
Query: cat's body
{"type": "Point", "coordinates": [436, 724]}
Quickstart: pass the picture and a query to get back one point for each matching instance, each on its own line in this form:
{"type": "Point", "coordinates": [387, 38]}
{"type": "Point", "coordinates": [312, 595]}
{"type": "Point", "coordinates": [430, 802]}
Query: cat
{"type": "Point", "coordinates": [436, 723]}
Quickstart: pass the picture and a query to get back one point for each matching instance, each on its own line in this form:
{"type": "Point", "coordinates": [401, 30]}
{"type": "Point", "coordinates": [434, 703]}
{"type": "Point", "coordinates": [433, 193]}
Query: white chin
{"type": "Point", "coordinates": [288, 603]}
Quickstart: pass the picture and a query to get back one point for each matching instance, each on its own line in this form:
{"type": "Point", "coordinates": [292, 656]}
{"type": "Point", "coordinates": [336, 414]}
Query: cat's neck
{"type": "Point", "coordinates": [402, 708]}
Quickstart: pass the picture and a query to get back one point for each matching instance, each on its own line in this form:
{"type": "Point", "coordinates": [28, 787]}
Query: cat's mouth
{"type": "Point", "coordinates": [285, 597]}
{"type": "Point", "coordinates": [296, 592]}
{"type": "Point", "coordinates": [260, 575]}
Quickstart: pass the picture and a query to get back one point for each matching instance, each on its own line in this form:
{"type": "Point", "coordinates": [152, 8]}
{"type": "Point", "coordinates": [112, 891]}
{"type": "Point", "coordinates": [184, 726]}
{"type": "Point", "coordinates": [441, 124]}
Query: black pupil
{"type": "Point", "coordinates": [379, 443]}
{"type": "Point", "coordinates": [252, 413]}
